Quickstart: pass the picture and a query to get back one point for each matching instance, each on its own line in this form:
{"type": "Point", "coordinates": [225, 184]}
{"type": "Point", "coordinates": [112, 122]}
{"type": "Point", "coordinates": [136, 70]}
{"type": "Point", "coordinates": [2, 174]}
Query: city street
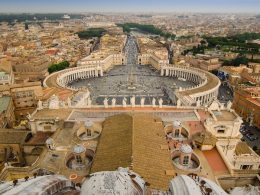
{"type": "Point", "coordinates": [225, 94]}
{"type": "Point", "coordinates": [255, 132]}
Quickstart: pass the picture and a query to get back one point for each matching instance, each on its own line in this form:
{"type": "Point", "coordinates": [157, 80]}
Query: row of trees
{"type": "Point", "coordinates": [58, 67]}
{"type": "Point", "coordinates": [200, 49]}
{"type": "Point", "coordinates": [147, 28]}
{"type": "Point", "coordinates": [236, 62]}
{"type": "Point", "coordinates": [91, 32]}
{"type": "Point", "coordinates": [238, 43]}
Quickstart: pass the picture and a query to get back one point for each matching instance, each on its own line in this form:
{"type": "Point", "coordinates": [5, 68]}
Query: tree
{"type": "Point", "coordinates": [58, 67]}
{"type": "Point", "coordinates": [91, 32]}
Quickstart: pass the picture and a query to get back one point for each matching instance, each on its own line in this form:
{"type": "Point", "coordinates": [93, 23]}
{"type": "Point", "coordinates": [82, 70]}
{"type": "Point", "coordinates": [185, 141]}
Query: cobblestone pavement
{"type": "Point", "coordinates": [146, 80]}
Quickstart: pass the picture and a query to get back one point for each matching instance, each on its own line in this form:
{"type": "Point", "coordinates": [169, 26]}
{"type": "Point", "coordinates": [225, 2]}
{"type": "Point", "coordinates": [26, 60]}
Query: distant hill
{"type": "Point", "coordinates": [10, 18]}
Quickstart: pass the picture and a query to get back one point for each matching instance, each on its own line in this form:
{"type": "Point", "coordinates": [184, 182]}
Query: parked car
{"type": "Point", "coordinates": [251, 136]}
{"type": "Point", "coordinates": [245, 131]}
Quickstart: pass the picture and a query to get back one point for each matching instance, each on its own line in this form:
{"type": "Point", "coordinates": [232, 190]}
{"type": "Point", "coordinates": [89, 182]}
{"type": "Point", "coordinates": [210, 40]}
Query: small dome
{"type": "Point", "coordinates": [49, 141]}
{"type": "Point", "coordinates": [176, 124]}
{"type": "Point", "coordinates": [185, 148]}
{"type": "Point", "coordinates": [78, 149]}
{"type": "Point", "coordinates": [88, 123]}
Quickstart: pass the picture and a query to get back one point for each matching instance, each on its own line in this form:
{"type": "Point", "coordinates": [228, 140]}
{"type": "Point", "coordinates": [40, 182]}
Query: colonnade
{"type": "Point", "coordinates": [187, 74]}
{"type": "Point", "coordinates": [202, 94]}
{"type": "Point", "coordinates": [208, 97]}
{"type": "Point", "coordinates": [70, 75]}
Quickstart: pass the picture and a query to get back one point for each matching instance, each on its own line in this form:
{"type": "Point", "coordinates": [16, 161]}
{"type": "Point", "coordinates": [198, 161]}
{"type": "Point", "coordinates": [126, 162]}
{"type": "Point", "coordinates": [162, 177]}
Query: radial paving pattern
{"type": "Point", "coordinates": [132, 80]}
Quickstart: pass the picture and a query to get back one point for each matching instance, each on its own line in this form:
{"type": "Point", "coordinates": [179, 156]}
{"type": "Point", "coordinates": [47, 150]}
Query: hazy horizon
{"type": "Point", "coordinates": [130, 6]}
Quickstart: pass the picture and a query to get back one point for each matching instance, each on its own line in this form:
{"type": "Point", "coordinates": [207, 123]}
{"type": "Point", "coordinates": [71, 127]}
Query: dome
{"type": "Point", "coordinates": [79, 149]}
{"type": "Point", "coordinates": [47, 184]}
{"type": "Point", "coordinates": [119, 182]}
{"type": "Point", "coordinates": [185, 185]}
{"type": "Point", "coordinates": [176, 124]}
{"type": "Point", "coordinates": [49, 141]}
{"type": "Point", "coordinates": [88, 123]}
{"type": "Point", "coordinates": [185, 148]}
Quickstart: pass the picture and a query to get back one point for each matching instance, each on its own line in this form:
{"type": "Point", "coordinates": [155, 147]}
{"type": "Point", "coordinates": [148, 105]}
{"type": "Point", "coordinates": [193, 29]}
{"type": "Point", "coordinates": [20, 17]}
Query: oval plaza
{"type": "Point", "coordinates": [138, 73]}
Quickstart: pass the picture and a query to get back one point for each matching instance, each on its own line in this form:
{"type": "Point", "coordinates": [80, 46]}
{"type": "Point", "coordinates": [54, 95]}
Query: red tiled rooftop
{"type": "Point", "coordinates": [215, 161]}
{"type": "Point", "coordinates": [39, 138]}
{"type": "Point", "coordinates": [195, 127]}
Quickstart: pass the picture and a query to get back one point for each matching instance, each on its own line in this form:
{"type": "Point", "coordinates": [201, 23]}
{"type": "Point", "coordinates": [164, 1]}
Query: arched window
{"type": "Point", "coordinates": [78, 159]}
{"type": "Point", "coordinates": [185, 160]}
{"type": "Point", "coordinates": [177, 132]}
{"type": "Point", "coordinates": [88, 132]}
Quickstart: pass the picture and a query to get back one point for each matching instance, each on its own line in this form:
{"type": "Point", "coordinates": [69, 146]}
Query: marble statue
{"type": "Point", "coordinates": [142, 101]}
{"type": "Point", "coordinates": [113, 102]}
{"type": "Point", "coordinates": [178, 103]}
{"type": "Point", "coordinates": [89, 102]}
{"type": "Point", "coordinates": [133, 101]}
{"type": "Point", "coordinates": [160, 102]}
{"type": "Point", "coordinates": [69, 102]}
{"type": "Point", "coordinates": [39, 105]}
{"type": "Point", "coordinates": [154, 102]}
{"type": "Point", "coordinates": [105, 102]}
{"type": "Point", "coordinates": [54, 102]}
{"type": "Point", "coordinates": [198, 103]}
{"type": "Point", "coordinates": [29, 116]}
{"type": "Point", "coordinates": [124, 102]}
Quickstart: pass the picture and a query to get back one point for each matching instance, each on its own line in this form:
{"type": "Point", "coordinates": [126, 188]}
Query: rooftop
{"type": "Point", "coordinates": [4, 103]}
{"type": "Point", "coordinates": [135, 141]}
{"type": "Point", "coordinates": [9, 136]}
{"type": "Point", "coordinates": [224, 115]}
{"type": "Point", "coordinates": [242, 148]}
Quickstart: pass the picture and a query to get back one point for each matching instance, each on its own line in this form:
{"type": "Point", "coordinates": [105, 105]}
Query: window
{"type": "Point", "coordinates": [186, 160]}
{"type": "Point", "coordinates": [221, 131]}
{"type": "Point", "coordinates": [88, 132]}
{"type": "Point", "coordinates": [177, 132]}
{"type": "Point", "coordinates": [244, 167]}
{"type": "Point", "coordinates": [78, 159]}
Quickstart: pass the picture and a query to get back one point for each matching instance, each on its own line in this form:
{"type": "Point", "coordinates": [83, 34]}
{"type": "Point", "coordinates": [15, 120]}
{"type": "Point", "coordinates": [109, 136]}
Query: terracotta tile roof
{"type": "Point", "coordinates": [50, 114]}
{"type": "Point", "coordinates": [39, 138]}
{"type": "Point", "coordinates": [135, 142]}
{"type": "Point", "coordinates": [63, 94]}
{"type": "Point", "coordinates": [115, 145]}
{"type": "Point", "coordinates": [10, 136]}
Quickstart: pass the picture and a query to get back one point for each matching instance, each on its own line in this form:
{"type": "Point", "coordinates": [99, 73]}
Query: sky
{"type": "Point", "coordinates": [69, 6]}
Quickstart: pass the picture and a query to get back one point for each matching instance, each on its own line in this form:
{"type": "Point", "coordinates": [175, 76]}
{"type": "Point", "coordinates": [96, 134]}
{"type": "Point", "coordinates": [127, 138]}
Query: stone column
{"type": "Point", "coordinates": [162, 71]}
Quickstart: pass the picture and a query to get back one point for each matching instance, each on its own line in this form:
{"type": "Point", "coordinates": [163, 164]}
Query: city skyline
{"type": "Point", "coordinates": [216, 6]}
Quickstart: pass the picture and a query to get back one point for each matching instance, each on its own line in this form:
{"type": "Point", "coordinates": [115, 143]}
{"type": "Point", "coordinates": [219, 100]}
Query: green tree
{"type": "Point", "coordinates": [58, 67]}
